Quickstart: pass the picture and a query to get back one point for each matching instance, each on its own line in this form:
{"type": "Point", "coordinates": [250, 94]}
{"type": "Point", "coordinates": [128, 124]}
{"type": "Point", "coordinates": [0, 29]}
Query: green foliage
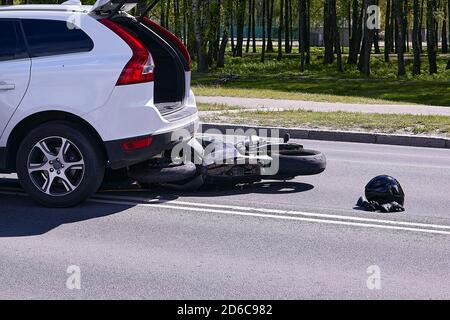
{"type": "Point", "coordinates": [319, 79]}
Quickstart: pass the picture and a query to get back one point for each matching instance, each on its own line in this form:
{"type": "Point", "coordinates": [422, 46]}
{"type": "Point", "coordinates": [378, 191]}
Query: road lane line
{"type": "Point", "coordinates": [319, 218]}
{"type": "Point", "coordinates": [277, 211]}
{"type": "Point", "coordinates": [390, 163]}
{"type": "Point", "coordinates": [260, 215]}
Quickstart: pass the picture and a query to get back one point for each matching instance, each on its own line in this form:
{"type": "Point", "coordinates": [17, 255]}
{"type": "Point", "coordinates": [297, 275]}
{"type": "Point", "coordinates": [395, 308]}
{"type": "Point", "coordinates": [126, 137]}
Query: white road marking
{"type": "Point", "coordinates": [274, 211]}
{"type": "Point", "coordinates": [389, 163]}
{"type": "Point", "coordinates": [266, 213]}
{"type": "Point", "coordinates": [272, 216]}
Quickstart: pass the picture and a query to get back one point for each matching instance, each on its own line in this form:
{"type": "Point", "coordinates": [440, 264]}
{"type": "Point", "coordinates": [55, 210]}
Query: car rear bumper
{"type": "Point", "coordinates": [119, 158]}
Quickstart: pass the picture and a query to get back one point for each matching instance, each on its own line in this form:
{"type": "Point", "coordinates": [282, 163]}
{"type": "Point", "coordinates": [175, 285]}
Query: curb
{"type": "Point", "coordinates": [343, 136]}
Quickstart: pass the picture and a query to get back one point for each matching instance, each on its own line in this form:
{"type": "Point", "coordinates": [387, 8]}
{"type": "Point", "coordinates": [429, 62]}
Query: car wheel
{"type": "Point", "coordinates": [59, 165]}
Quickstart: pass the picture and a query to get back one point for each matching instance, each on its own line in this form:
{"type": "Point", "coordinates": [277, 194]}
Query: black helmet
{"type": "Point", "coordinates": [385, 189]}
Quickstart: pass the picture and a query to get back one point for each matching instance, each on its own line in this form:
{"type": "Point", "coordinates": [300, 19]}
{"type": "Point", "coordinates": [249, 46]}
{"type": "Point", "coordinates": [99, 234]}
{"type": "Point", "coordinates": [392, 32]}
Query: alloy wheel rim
{"type": "Point", "coordinates": [56, 166]}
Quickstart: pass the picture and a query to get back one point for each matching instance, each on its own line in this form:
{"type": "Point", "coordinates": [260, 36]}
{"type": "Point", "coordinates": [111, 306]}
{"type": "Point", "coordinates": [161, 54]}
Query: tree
{"type": "Point", "coordinates": [287, 37]}
{"type": "Point", "coordinates": [176, 15]}
{"type": "Point", "coordinates": [336, 36]}
{"type": "Point", "coordinates": [302, 32]}
{"type": "Point", "coordinates": [254, 26]}
{"type": "Point", "coordinates": [162, 19]}
{"type": "Point", "coordinates": [202, 60]}
{"type": "Point", "coordinates": [431, 35]}
{"type": "Point", "coordinates": [167, 23]}
{"type": "Point", "coordinates": [416, 38]}
{"type": "Point", "coordinates": [240, 20]}
{"type": "Point", "coordinates": [249, 27]}
{"type": "Point", "coordinates": [444, 30]}
{"type": "Point", "coordinates": [263, 49]}
{"type": "Point", "coordinates": [355, 40]}
{"type": "Point", "coordinates": [226, 27]}
{"type": "Point", "coordinates": [387, 33]}
{"type": "Point", "coordinates": [270, 7]}
{"type": "Point", "coordinates": [328, 32]}
{"type": "Point", "coordinates": [213, 29]}
{"type": "Point", "coordinates": [280, 33]}
{"type": "Point", "coordinates": [233, 47]}
{"type": "Point", "coordinates": [368, 36]}
{"type": "Point", "coordinates": [400, 42]}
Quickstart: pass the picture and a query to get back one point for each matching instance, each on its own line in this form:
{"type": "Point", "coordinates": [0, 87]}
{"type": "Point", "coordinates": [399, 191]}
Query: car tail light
{"type": "Point", "coordinates": [136, 144]}
{"type": "Point", "coordinates": [170, 36]}
{"type": "Point", "coordinates": [140, 67]}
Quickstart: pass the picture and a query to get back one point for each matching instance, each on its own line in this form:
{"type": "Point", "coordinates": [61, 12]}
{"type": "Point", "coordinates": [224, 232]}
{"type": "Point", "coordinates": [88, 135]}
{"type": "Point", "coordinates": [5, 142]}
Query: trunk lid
{"type": "Point", "coordinates": [113, 6]}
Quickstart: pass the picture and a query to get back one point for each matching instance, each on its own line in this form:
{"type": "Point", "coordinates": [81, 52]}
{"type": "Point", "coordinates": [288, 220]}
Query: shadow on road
{"type": "Point", "coordinates": [20, 216]}
{"type": "Point", "coordinates": [269, 187]}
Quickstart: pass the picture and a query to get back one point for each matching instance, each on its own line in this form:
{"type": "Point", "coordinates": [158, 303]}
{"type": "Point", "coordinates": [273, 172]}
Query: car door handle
{"type": "Point", "coordinates": [7, 86]}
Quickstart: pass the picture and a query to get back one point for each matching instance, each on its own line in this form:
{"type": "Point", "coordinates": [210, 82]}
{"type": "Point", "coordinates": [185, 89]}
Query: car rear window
{"type": "Point", "coordinates": [12, 45]}
{"type": "Point", "coordinates": [53, 37]}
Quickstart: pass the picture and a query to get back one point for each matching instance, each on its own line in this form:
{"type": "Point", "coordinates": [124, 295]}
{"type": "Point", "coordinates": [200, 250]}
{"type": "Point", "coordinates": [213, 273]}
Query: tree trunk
{"type": "Point", "coordinates": [280, 32]}
{"type": "Point", "coordinates": [291, 32]}
{"type": "Point", "coordinates": [263, 49]}
{"type": "Point", "coordinates": [233, 47]}
{"type": "Point", "coordinates": [167, 24]}
{"type": "Point", "coordinates": [240, 16]}
{"type": "Point", "coordinates": [249, 26]}
{"type": "Point", "coordinates": [162, 19]}
{"type": "Point", "coordinates": [422, 9]}
{"type": "Point", "coordinates": [399, 19]}
{"type": "Point", "coordinates": [254, 26]}
{"type": "Point", "coordinates": [376, 42]}
{"type": "Point", "coordinates": [336, 36]}
{"type": "Point", "coordinates": [328, 32]}
{"type": "Point", "coordinates": [366, 48]}
{"type": "Point", "coordinates": [213, 26]}
{"type": "Point", "coordinates": [191, 29]}
{"type": "Point", "coordinates": [416, 38]}
{"type": "Point", "coordinates": [185, 27]}
{"type": "Point", "coordinates": [176, 14]}
{"type": "Point", "coordinates": [387, 32]}
{"type": "Point", "coordinates": [308, 32]}
{"type": "Point", "coordinates": [444, 31]}
{"type": "Point", "coordinates": [202, 61]}
{"type": "Point", "coordinates": [448, 17]}
{"type": "Point", "coordinates": [349, 19]}
{"type": "Point", "coordinates": [226, 27]}
{"type": "Point", "coordinates": [355, 41]}
{"type": "Point", "coordinates": [405, 24]}
{"type": "Point", "coordinates": [302, 32]}
{"type": "Point", "coordinates": [287, 37]}
{"type": "Point", "coordinates": [270, 6]}
{"type": "Point", "coordinates": [431, 35]}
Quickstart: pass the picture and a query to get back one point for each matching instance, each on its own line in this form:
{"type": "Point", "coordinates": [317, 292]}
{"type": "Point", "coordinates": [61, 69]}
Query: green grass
{"type": "Point", "coordinates": [392, 123]}
{"type": "Point", "coordinates": [289, 95]}
{"type": "Point", "coordinates": [248, 77]}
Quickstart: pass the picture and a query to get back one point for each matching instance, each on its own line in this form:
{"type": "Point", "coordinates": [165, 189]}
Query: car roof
{"type": "Point", "coordinates": [47, 7]}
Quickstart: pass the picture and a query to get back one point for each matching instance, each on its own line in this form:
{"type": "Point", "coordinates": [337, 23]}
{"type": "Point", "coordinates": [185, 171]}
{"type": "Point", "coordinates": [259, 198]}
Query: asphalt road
{"type": "Point", "coordinates": [294, 240]}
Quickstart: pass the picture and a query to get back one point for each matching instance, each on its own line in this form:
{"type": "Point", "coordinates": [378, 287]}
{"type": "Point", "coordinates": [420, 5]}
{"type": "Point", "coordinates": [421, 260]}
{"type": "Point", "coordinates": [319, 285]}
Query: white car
{"type": "Point", "coordinates": [84, 88]}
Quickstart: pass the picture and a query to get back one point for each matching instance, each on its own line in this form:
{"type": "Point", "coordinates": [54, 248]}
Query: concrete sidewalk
{"type": "Point", "coordinates": [253, 103]}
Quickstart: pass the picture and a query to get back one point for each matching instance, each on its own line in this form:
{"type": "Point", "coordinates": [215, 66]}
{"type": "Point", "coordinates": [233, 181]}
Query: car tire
{"type": "Point", "coordinates": [59, 164]}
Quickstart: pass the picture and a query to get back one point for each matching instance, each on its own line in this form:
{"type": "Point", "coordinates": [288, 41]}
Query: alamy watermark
{"type": "Point", "coordinates": [73, 282]}
{"type": "Point", "coordinates": [235, 147]}
{"type": "Point", "coordinates": [373, 282]}
{"type": "Point", "coordinates": [373, 21]}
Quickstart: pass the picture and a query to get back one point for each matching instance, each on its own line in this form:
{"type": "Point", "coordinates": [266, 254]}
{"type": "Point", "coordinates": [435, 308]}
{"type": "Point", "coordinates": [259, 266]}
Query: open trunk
{"type": "Point", "coordinates": [169, 73]}
{"type": "Point", "coordinates": [172, 61]}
